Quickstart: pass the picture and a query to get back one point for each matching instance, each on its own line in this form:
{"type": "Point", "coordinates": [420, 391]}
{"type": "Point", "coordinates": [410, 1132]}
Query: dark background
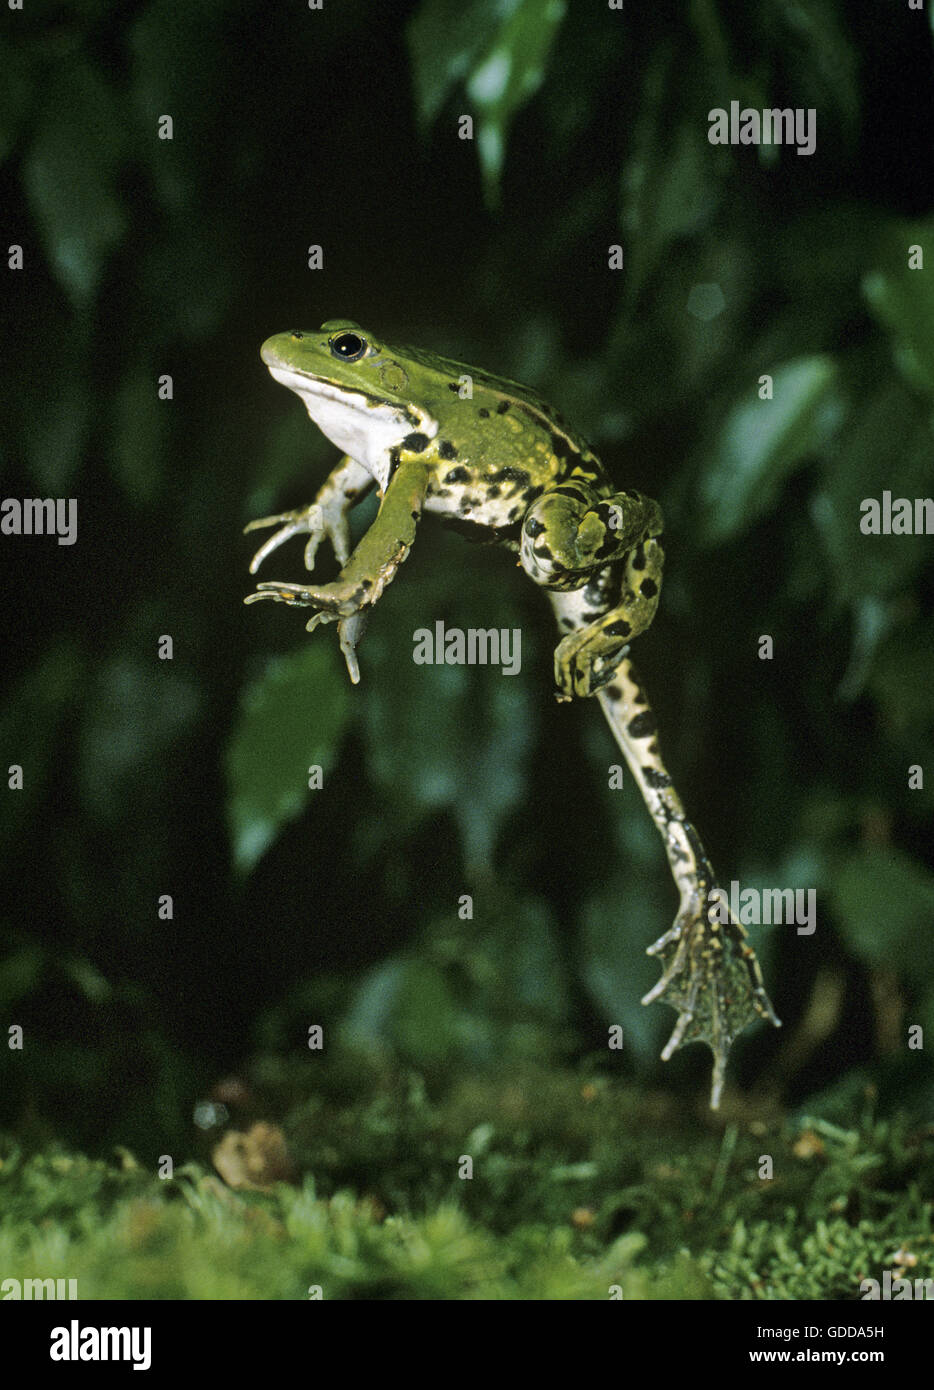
{"type": "Point", "coordinates": [146, 777]}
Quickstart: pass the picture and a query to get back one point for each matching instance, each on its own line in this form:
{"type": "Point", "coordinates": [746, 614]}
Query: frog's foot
{"type": "Point", "coordinates": [350, 626]}
{"type": "Point", "coordinates": [712, 977]}
{"type": "Point", "coordinates": [317, 520]}
{"type": "Point", "coordinates": [587, 660]}
{"type": "Point", "coordinates": [342, 599]}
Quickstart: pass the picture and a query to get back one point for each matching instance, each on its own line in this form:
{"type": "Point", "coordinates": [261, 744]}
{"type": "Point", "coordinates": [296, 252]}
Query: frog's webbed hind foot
{"type": "Point", "coordinates": [712, 978]}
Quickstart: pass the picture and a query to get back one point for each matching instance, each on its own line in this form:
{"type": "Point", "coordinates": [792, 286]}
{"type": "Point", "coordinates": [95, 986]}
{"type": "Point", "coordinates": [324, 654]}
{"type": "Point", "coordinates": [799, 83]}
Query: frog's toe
{"type": "Point", "coordinates": [350, 630]}
{"type": "Point", "coordinates": [332, 525]}
{"type": "Point", "coordinates": [308, 519]}
{"type": "Point", "coordinates": [338, 533]}
{"type": "Point", "coordinates": [564, 679]}
{"type": "Point", "coordinates": [571, 671]}
{"type": "Point", "coordinates": [315, 521]}
{"type": "Point", "coordinates": [279, 593]}
{"type": "Point", "coordinates": [582, 668]}
{"type": "Point", "coordinates": [341, 599]}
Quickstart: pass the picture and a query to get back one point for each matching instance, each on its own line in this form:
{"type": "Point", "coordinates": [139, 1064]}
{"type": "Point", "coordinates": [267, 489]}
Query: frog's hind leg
{"type": "Point", "coordinates": [586, 659]}
{"type": "Point", "coordinates": [710, 973]}
{"type": "Point", "coordinates": [576, 528]}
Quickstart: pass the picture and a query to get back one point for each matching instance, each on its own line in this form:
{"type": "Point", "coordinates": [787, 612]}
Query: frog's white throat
{"type": "Point", "coordinates": [362, 429]}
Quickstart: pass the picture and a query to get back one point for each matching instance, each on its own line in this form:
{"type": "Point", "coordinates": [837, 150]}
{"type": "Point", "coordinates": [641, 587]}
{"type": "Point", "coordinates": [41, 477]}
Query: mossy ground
{"type": "Point", "coordinates": [579, 1184]}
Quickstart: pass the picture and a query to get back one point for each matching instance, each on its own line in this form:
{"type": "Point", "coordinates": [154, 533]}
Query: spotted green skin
{"type": "Point", "coordinates": [492, 458]}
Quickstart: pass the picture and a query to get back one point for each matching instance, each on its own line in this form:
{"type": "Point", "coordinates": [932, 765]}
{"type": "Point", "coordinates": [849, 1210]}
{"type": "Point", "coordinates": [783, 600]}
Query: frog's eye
{"type": "Point", "coordinates": [296, 336]}
{"type": "Point", "coordinates": [350, 347]}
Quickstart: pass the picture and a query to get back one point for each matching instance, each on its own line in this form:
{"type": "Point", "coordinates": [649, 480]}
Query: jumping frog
{"type": "Point", "coordinates": [492, 457]}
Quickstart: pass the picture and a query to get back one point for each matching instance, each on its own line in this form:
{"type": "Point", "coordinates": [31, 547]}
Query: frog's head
{"type": "Point", "coordinates": [360, 393]}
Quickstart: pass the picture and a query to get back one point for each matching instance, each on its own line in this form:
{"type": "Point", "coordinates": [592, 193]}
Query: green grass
{"type": "Point", "coordinates": [578, 1185]}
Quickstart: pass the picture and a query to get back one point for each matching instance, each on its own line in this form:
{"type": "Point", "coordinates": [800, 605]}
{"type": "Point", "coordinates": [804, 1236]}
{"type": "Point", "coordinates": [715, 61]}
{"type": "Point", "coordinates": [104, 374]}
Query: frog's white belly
{"type": "Point", "coordinates": [471, 499]}
{"type": "Point", "coordinates": [469, 504]}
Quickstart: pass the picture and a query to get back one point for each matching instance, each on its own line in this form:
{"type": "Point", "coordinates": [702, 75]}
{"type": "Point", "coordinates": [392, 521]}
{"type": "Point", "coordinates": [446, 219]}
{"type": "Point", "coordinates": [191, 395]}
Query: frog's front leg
{"type": "Point", "coordinates": [373, 564]}
{"type": "Point", "coordinates": [327, 516]}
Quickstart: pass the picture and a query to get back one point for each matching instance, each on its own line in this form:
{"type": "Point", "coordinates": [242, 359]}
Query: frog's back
{"type": "Point", "coordinates": [492, 397]}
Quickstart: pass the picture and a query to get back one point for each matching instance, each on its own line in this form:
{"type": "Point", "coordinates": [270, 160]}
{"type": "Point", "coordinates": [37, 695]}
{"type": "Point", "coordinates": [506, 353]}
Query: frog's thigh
{"type": "Point", "coordinates": [570, 531]}
{"type": "Point", "coordinates": [587, 657]}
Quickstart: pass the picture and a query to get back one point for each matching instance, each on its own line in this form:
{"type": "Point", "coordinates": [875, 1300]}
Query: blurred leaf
{"type": "Point", "coordinates": [20, 974]}
{"type": "Point", "coordinates": [902, 300]}
{"type": "Point", "coordinates": [523, 948]}
{"type": "Point", "coordinates": [405, 1003]}
{"type": "Point", "coordinates": [762, 443]}
{"type": "Point", "coordinates": [484, 990]}
{"type": "Point", "coordinates": [289, 720]}
{"type": "Point", "coordinates": [450, 41]}
{"type": "Point", "coordinates": [16, 93]}
{"type": "Point", "coordinates": [871, 621]}
{"type": "Point", "coordinates": [448, 737]}
{"type": "Point", "coordinates": [29, 726]}
{"type": "Point", "coordinates": [507, 75]}
{"type": "Point", "coordinates": [140, 427]}
{"type": "Point", "coordinates": [424, 1021]}
{"type": "Point", "coordinates": [619, 921]}
{"type": "Point", "coordinates": [88, 978]}
{"type": "Point", "coordinates": [181, 59]}
{"type": "Point", "coordinates": [70, 176]}
{"type": "Point", "coordinates": [884, 903]}
{"type": "Point", "coordinates": [57, 414]}
{"type": "Point", "coordinates": [368, 1018]}
{"type": "Point", "coordinates": [178, 54]}
{"type": "Point", "coordinates": [444, 38]}
{"type": "Point", "coordinates": [903, 679]}
{"type": "Point", "coordinates": [670, 185]}
{"type": "Point", "coordinates": [295, 450]}
{"type": "Point", "coordinates": [510, 977]}
{"type": "Point", "coordinates": [813, 41]}
{"type": "Point", "coordinates": [137, 708]}
{"type": "Point", "coordinates": [863, 461]}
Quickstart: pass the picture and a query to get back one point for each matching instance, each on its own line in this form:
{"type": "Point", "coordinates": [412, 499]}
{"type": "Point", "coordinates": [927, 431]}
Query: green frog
{"type": "Point", "coordinates": [495, 459]}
